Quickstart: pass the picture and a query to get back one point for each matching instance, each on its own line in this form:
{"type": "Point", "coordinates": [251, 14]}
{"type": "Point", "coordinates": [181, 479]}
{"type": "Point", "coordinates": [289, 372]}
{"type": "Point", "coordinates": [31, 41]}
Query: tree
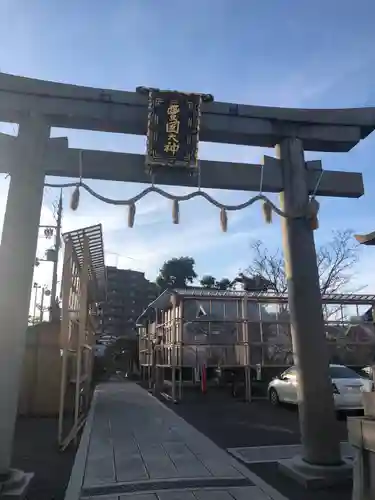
{"type": "Point", "coordinates": [335, 261]}
{"type": "Point", "coordinates": [224, 284]}
{"type": "Point", "coordinates": [208, 281]}
{"type": "Point", "coordinates": [212, 283]}
{"type": "Point", "coordinates": [254, 283]}
{"type": "Point", "coordinates": [176, 273]}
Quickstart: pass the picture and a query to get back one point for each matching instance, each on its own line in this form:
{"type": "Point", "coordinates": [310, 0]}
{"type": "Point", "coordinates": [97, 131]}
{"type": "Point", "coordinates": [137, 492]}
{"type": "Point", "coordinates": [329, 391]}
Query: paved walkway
{"type": "Point", "coordinates": [264, 454]}
{"type": "Point", "coordinates": [134, 447]}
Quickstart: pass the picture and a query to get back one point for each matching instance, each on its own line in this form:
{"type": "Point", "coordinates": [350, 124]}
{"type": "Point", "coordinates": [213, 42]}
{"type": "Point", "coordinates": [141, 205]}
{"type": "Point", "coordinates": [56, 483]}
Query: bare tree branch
{"type": "Point", "coordinates": [335, 263]}
{"type": "Point", "coordinates": [336, 260]}
{"type": "Point", "coordinates": [268, 265]}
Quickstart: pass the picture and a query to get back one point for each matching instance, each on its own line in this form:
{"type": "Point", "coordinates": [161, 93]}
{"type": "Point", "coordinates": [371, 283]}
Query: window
{"type": "Point", "coordinates": [290, 373]}
{"type": "Point", "coordinates": [342, 372]}
{"type": "Point", "coordinates": [203, 308]}
{"type": "Point", "coordinates": [201, 312]}
{"type": "Point", "coordinates": [217, 309]}
{"type": "Point", "coordinates": [190, 310]}
{"type": "Point", "coordinates": [231, 309]}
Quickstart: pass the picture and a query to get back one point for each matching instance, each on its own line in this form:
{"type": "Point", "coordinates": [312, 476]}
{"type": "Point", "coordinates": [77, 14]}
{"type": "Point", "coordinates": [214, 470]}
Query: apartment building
{"type": "Point", "coordinates": [128, 294]}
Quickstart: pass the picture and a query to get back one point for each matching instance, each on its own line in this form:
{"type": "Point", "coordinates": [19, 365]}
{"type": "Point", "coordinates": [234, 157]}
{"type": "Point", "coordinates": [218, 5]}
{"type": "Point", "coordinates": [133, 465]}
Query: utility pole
{"type": "Point", "coordinates": [54, 308]}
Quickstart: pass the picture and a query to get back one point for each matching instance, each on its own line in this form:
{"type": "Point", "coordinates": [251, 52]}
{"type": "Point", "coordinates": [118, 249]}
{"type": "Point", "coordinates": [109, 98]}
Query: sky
{"type": "Point", "coordinates": [292, 53]}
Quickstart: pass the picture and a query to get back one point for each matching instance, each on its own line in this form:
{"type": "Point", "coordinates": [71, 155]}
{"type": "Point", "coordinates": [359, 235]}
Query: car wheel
{"type": "Point", "coordinates": [274, 397]}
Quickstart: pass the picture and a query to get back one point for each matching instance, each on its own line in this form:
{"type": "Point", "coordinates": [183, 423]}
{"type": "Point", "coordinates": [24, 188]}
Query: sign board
{"type": "Point", "coordinates": [173, 129]}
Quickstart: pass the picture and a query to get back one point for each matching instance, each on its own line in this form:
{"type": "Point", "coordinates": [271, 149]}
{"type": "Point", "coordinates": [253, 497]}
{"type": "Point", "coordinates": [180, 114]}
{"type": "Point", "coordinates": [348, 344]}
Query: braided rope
{"type": "Point", "coordinates": [169, 196]}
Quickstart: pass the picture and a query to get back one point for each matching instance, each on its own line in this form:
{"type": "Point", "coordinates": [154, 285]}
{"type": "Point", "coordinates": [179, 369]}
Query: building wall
{"type": "Point", "coordinates": [128, 295]}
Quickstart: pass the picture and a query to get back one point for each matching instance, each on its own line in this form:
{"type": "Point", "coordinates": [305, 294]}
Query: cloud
{"type": "Point", "coordinates": [325, 76]}
{"type": "Point", "coordinates": [113, 217]}
{"type": "Point", "coordinates": [318, 77]}
{"type": "Point", "coordinates": [176, 242]}
{"type": "Point", "coordinates": [364, 272]}
{"type": "Point", "coordinates": [153, 237]}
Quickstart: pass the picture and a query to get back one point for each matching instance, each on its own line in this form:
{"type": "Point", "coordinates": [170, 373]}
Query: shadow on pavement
{"type": "Point", "coordinates": [35, 450]}
{"type": "Point", "coordinates": [232, 423]}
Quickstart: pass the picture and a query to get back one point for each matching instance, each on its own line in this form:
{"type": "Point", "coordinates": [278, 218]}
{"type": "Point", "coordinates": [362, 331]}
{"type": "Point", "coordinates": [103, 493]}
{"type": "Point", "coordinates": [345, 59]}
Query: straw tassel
{"type": "Point", "coordinates": [175, 212]}
{"type": "Point", "coordinates": [314, 223]}
{"type": "Point", "coordinates": [267, 212]}
{"type": "Point", "coordinates": [224, 220]}
{"type": "Point", "coordinates": [312, 213]}
{"type": "Point", "coordinates": [131, 214]}
{"type": "Point", "coordinates": [74, 200]}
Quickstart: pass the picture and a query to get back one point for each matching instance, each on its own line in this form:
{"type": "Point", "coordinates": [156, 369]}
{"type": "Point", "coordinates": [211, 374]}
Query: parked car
{"type": "Point", "coordinates": [347, 386]}
{"type": "Point", "coordinates": [368, 372]}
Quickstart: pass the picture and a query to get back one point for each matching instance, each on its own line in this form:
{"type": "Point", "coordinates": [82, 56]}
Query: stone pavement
{"type": "Point", "coordinates": [257, 435]}
{"type": "Point", "coordinates": [265, 454]}
{"type": "Point", "coordinates": [134, 447]}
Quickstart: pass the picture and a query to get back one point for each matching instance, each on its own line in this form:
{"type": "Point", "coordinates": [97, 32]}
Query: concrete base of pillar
{"type": "Point", "coordinates": [316, 476]}
{"type": "Point", "coordinates": [16, 485]}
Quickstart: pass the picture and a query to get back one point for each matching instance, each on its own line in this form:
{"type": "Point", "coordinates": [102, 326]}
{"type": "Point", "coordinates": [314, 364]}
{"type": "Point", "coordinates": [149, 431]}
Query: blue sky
{"type": "Point", "coordinates": [293, 53]}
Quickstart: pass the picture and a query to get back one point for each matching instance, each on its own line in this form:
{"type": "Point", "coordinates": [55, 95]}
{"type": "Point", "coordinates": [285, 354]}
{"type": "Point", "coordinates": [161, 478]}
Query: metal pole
{"type": "Point", "coordinates": [42, 305]}
{"type": "Point", "coordinates": [83, 307]}
{"type": "Point", "coordinates": [17, 259]}
{"type": "Point", "coordinates": [181, 347]}
{"type": "Point", "coordinates": [319, 432]}
{"type": "Point", "coordinates": [65, 334]}
{"type": "Point", "coordinates": [261, 333]}
{"type": "Point", "coordinates": [174, 349]}
{"type": "Point", "coordinates": [247, 341]}
{"type": "Point", "coordinates": [35, 303]}
{"type": "Point", "coordinates": [53, 307]}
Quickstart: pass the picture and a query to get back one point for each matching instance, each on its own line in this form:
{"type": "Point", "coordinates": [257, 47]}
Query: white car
{"type": "Point", "coordinates": [368, 372]}
{"type": "Point", "coordinates": [347, 387]}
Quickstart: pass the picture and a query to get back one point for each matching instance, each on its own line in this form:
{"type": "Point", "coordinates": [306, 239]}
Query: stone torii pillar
{"type": "Point", "coordinates": [319, 430]}
{"type": "Point", "coordinates": [321, 460]}
{"type": "Point", "coordinates": [17, 259]}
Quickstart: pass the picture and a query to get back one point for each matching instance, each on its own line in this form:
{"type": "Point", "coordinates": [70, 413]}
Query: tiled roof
{"type": "Point", "coordinates": [263, 297]}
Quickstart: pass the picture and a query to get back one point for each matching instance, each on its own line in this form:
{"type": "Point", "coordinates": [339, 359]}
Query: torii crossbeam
{"type": "Point", "coordinates": [61, 161]}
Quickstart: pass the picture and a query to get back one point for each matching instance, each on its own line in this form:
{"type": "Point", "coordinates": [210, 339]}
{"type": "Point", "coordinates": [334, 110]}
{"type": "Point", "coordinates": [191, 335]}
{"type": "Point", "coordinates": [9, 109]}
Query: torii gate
{"type": "Point", "coordinates": [39, 105]}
